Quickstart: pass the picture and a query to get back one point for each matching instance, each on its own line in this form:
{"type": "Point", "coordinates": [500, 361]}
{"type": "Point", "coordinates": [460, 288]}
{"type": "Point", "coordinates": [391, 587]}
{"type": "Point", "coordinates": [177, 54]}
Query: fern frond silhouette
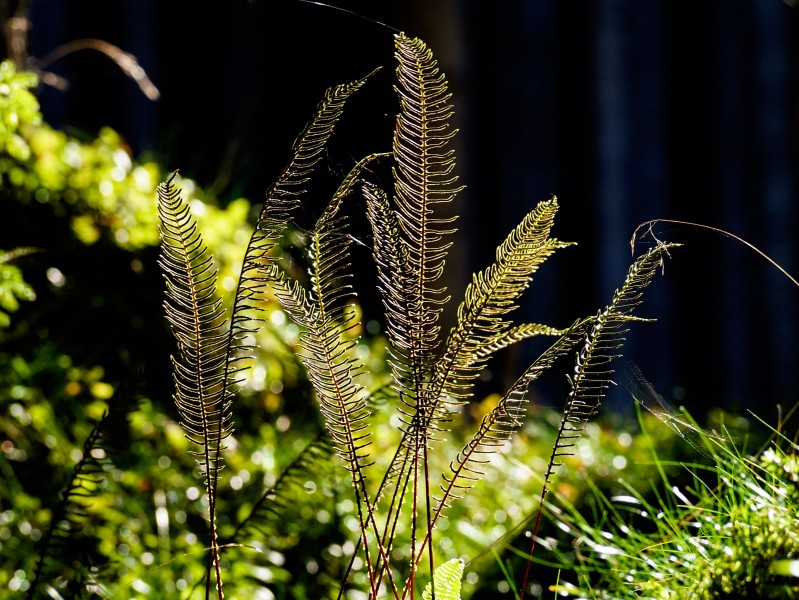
{"type": "Point", "coordinates": [592, 370]}
{"type": "Point", "coordinates": [313, 461]}
{"type": "Point", "coordinates": [69, 560]}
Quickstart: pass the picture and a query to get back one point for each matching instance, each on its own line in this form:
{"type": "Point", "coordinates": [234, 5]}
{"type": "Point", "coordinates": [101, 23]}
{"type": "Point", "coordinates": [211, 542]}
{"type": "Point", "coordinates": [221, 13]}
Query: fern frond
{"type": "Point", "coordinates": [491, 295]}
{"type": "Point", "coordinates": [195, 314]}
{"type": "Point", "coordinates": [446, 584]}
{"type": "Point", "coordinates": [592, 371]}
{"type": "Point", "coordinates": [282, 199]}
{"type": "Point", "coordinates": [501, 423]}
{"type": "Point", "coordinates": [312, 462]}
{"type": "Point", "coordinates": [481, 329]}
{"type": "Point", "coordinates": [394, 282]}
{"type": "Point", "coordinates": [326, 315]}
{"type": "Point", "coordinates": [283, 195]}
{"type": "Point", "coordinates": [423, 182]}
{"type": "Point", "coordinates": [69, 559]}
{"type": "Point", "coordinates": [327, 344]}
{"type": "Point", "coordinates": [513, 335]}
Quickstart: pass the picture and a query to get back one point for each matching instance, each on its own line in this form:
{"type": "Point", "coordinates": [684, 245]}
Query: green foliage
{"type": "Point", "coordinates": [60, 365]}
{"type": "Point", "coordinates": [13, 287]}
{"type": "Point", "coordinates": [18, 109]}
{"type": "Point", "coordinates": [201, 396]}
{"type": "Point", "coordinates": [729, 533]}
{"type": "Point", "coordinates": [95, 183]}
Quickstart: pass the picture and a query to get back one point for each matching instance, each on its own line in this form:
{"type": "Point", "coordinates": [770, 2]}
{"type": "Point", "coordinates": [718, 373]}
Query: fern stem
{"type": "Point", "coordinates": [648, 225]}
{"type": "Point", "coordinates": [429, 523]}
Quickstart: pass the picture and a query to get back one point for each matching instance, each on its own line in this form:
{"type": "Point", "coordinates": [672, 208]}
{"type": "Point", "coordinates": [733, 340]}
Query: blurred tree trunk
{"type": "Point", "coordinates": [15, 27]}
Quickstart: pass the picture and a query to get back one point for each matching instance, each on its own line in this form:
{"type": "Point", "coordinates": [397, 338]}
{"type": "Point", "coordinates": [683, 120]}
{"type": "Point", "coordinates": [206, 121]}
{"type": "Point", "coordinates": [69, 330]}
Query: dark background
{"type": "Point", "coordinates": [626, 110]}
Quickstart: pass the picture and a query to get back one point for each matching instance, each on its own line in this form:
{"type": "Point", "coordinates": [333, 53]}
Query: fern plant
{"type": "Point", "coordinates": [432, 374]}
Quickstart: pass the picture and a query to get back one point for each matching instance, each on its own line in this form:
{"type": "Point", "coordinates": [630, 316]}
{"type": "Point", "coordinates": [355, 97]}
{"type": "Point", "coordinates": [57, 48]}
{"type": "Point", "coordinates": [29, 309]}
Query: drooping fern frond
{"type": "Point", "coordinates": [195, 314]}
{"type": "Point", "coordinates": [69, 558]}
{"type": "Point", "coordinates": [393, 263]}
{"type": "Point", "coordinates": [327, 344]}
{"type": "Point", "coordinates": [282, 199]}
{"type": "Point", "coordinates": [394, 279]}
{"type": "Point", "coordinates": [503, 421]}
{"type": "Point", "coordinates": [283, 196]}
{"type": "Point", "coordinates": [325, 314]}
{"type": "Point", "coordinates": [511, 336]}
{"type": "Point", "coordinates": [499, 425]}
{"type": "Point", "coordinates": [592, 371]}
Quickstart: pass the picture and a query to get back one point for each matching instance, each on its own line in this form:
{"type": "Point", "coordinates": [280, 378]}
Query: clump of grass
{"type": "Point", "coordinates": [732, 532]}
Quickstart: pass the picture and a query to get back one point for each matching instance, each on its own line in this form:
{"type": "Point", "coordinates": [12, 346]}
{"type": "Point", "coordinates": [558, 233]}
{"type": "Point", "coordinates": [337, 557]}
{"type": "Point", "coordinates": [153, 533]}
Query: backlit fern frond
{"type": "Point", "coordinates": [491, 295]}
{"type": "Point", "coordinates": [326, 314]}
{"type": "Point", "coordinates": [515, 334]}
{"type": "Point", "coordinates": [592, 371]}
{"type": "Point", "coordinates": [282, 199]}
{"type": "Point", "coordinates": [197, 320]}
{"type": "Point", "coordinates": [283, 196]}
{"type": "Point", "coordinates": [327, 342]}
{"type": "Point", "coordinates": [394, 281]}
{"type": "Point", "coordinates": [423, 181]}
{"type": "Point", "coordinates": [481, 328]}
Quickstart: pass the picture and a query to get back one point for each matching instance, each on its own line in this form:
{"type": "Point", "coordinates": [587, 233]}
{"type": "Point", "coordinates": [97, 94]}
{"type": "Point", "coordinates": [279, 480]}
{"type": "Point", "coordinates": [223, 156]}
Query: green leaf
{"type": "Point", "coordinates": [447, 579]}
